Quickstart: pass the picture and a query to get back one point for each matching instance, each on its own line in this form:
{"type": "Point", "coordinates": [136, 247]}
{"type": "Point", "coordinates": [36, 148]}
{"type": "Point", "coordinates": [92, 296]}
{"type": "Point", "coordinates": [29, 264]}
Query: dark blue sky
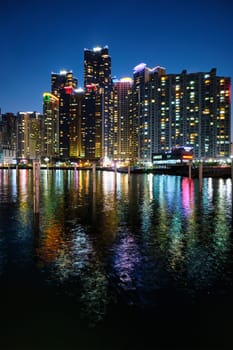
{"type": "Point", "coordinates": [38, 37]}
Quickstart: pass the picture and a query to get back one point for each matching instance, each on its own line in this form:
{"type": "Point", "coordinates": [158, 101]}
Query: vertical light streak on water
{"type": "Point", "coordinates": [222, 231]}
{"type": "Point", "coordinates": [161, 223]}
{"type": "Point", "coordinates": [76, 179]}
{"type": "Point", "coordinates": [108, 191]}
{"type": "Point", "coordinates": [126, 258]}
{"type": "Point", "coordinates": [13, 185]}
{"type": "Point", "coordinates": [174, 235]}
{"type": "Point", "coordinates": [209, 238]}
{"type": "Point", "coordinates": [24, 201]}
{"type": "Point", "coordinates": [187, 196]}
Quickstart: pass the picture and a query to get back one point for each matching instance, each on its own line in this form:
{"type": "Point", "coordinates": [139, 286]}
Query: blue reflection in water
{"type": "Point", "coordinates": [127, 241]}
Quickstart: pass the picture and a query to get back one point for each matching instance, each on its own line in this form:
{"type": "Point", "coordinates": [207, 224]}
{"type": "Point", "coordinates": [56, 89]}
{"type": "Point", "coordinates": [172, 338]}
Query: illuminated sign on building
{"type": "Point", "coordinates": [48, 97]}
{"type": "Point", "coordinates": [91, 87]}
{"type": "Point", "coordinates": [176, 155]}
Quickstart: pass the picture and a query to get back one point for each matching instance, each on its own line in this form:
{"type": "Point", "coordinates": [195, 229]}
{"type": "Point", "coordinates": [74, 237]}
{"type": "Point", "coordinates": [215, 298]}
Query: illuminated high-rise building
{"type": "Point", "coordinates": [8, 130]}
{"type": "Point", "coordinates": [122, 122]}
{"type": "Point", "coordinates": [92, 123]}
{"type": "Point", "coordinates": [75, 127]}
{"type": "Point", "coordinates": [29, 126]}
{"type": "Point", "coordinates": [7, 138]}
{"type": "Point", "coordinates": [198, 111]}
{"type": "Point", "coordinates": [181, 110]}
{"type": "Point", "coordinates": [97, 72]}
{"type": "Point", "coordinates": [63, 86]}
{"type": "Point", "coordinates": [207, 113]}
{"type": "Point", "coordinates": [146, 110]}
{"type": "Point", "coordinates": [50, 127]}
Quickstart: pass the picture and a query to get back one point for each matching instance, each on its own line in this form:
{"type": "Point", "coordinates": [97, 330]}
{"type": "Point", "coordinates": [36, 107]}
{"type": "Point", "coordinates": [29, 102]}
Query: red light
{"type": "Point", "coordinates": [69, 90]}
{"type": "Point", "coordinates": [91, 87]}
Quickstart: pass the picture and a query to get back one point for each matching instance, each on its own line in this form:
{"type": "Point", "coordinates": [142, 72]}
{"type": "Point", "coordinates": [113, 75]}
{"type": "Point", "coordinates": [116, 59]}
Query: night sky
{"type": "Point", "coordinates": [40, 37]}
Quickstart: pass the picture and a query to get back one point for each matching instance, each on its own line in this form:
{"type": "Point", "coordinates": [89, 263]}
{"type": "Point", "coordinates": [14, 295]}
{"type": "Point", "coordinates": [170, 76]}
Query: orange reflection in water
{"type": "Point", "coordinates": [52, 243]}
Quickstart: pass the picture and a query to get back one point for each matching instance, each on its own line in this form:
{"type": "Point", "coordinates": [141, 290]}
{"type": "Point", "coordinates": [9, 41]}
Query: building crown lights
{"type": "Point", "coordinates": [63, 72]}
{"type": "Point", "coordinates": [79, 90]}
{"type": "Point", "coordinates": [126, 80]}
{"type": "Point", "coordinates": [97, 49]}
{"type": "Point", "coordinates": [140, 67]}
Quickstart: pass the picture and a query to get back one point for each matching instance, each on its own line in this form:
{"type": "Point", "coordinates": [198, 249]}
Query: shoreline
{"type": "Point", "coordinates": [208, 171]}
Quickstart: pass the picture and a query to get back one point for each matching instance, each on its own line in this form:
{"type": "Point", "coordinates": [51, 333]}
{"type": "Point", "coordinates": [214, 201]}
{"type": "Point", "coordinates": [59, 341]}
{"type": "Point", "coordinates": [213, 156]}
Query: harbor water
{"type": "Point", "coordinates": [115, 262]}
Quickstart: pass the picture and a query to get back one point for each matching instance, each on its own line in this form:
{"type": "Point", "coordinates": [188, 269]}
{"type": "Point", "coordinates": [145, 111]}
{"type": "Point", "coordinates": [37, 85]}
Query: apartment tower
{"type": "Point", "coordinates": [98, 80]}
{"type": "Point", "coordinates": [63, 86]}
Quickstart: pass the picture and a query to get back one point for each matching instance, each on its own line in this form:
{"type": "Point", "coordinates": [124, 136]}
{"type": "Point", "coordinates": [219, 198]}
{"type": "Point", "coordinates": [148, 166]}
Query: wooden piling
{"type": "Point", "coordinates": [94, 176]}
{"type": "Point", "coordinates": [190, 170]}
{"type": "Point", "coordinates": [115, 167]}
{"type": "Point", "coordinates": [200, 176]}
{"type": "Point", "coordinates": [36, 186]}
{"type": "Point", "coordinates": [128, 173]}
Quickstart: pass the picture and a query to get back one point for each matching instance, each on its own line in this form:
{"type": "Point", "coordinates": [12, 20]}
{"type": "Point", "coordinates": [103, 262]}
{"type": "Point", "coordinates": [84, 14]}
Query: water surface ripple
{"type": "Point", "coordinates": [152, 255]}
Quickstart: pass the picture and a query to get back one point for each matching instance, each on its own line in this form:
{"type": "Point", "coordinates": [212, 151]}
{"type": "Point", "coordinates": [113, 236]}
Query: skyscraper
{"type": "Point", "coordinates": [200, 112]}
{"type": "Point", "coordinates": [8, 131]}
{"type": "Point", "coordinates": [75, 127]}
{"type": "Point", "coordinates": [97, 72]}
{"type": "Point", "coordinates": [63, 86]}
{"type": "Point", "coordinates": [7, 138]}
{"type": "Point", "coordinates": [92, 137]}
{"type": "Point", "coordinates": [146, 105]}
{"type": "Point", "coordinates": [29, 125]}
{"type": "Point", "coordinates": [122, 123]}
{"type": "Point", "coordinates": [50, 127]}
